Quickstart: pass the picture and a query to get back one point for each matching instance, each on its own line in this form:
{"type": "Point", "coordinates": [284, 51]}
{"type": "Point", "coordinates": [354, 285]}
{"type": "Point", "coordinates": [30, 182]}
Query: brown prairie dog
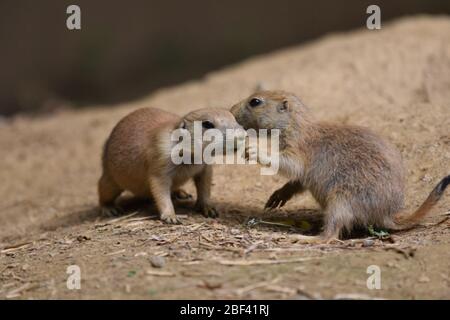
{"type": "Point", "coordinates": [356, 177]}
{"type": "Point", "coordinates": [137, 158]}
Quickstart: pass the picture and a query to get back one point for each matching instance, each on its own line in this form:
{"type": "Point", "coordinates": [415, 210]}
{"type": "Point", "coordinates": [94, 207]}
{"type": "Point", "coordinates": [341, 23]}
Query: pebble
{"type": "Point", "coordinates": [368, 243]}
{"type": "Point", "coordinates": [234, 231]}
{"type": "Point", "coordinates": [157, 261]}
{"type": "Point", "coordinates": [141, 254]}
{"type": "Point", "coordinates": [427, 178]}
{"type": "Point", "coordinates": [424, 279]}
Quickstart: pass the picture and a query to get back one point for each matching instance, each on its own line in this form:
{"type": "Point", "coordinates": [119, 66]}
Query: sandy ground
{"type": "Point", "coordinates": [395, 81]}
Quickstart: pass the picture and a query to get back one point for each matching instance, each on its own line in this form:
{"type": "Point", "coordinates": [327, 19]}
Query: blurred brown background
{"type": "Point", "coordinates": [126, 49]}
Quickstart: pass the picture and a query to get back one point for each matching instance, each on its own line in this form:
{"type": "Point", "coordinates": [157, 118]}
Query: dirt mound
{"type": "Point", "coordinates": [395, 81]}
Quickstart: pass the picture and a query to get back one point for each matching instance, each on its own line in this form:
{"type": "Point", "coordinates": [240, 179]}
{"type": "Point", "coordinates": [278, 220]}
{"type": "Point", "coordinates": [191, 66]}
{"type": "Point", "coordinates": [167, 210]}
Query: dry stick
{"type": "Point", "coordinates": [191, 263]}
{"type": "Point", "coordinates": [262, 262]}
{"type": "Point", "coordinates": [276, 224]}
{"type": "Point", "coordinates": [212, 247]}
{"type": "Point", "coordinates": [305, 293]}
{"type": "Point", "coordinates": [199, 274]}
{"type": "Point", "coordinates": [115, 252]}
{"type": "Point", "coordinates": [160, 273]}
{"type": "Point", "coordinates": [281, 249]}
{"type": "Point", "coordinates": [197, 226]}
{"type": "Point", "coordinates": [354, 296]}
{"type": "Point", "coordinates": [18, 291]}
{"type": "Point", "coordinates": [122, 218]}
{"type": "Point", "coordinates": [251, 287]}
{"type": "Point", "coordinates": [253, 246]}
{"type": "Point", "coordinates": [281, 289]}
{"type": "Point", "coordinates": [206, 238]}
{"type": "Point", "coordinates": [14, 247]}
{"type": "Point", "coordinates": [141, 219]}
{"type": "Point", "coordinates": [178, 236]}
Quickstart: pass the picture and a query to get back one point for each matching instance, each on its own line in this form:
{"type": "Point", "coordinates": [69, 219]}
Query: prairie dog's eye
{"type": "Point", "coordinates": [254, 102]}
{"type": "Point", "coordinates": [207, 124]}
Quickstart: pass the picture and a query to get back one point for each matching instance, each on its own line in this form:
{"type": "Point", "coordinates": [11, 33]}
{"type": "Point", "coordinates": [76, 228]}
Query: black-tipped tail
{"type": "Point", "coordinates": [403, 222]}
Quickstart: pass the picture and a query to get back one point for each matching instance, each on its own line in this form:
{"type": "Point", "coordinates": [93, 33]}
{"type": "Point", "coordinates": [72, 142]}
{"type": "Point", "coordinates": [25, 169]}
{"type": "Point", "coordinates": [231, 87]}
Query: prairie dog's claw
{"type": "Point", "coordinates": [251, 153]}
{"type": "Point", "coordinates": [111, 211]}
{"type": "Point", "coordinates": [208, 211]}
{"type": "Point", "coordinates": [276, 200]}
{"type": "Point", "coordinates": [170, 219]}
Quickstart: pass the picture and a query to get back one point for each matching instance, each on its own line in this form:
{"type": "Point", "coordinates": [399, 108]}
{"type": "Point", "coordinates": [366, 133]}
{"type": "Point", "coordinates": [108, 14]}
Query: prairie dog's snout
{"type": "Point", "coordinates": [215, 127]}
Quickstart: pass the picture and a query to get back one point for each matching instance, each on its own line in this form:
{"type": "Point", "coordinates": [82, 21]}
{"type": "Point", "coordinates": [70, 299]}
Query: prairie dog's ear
{"type": "Point", "coordinates": [182, 124]}
{"type": "Point", "coordinates": [283, 107]}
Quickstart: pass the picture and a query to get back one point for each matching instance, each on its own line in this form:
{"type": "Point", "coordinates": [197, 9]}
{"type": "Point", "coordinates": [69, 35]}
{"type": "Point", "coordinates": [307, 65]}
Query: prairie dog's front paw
{"type": "Point", "coordinates": [255, 154]}
{"type": "Point", "coordinates": [251, 153]}
{"type": "Point", "coordinates": [277, 199]}
{"type": "Point", "coordinates": [170, 219]}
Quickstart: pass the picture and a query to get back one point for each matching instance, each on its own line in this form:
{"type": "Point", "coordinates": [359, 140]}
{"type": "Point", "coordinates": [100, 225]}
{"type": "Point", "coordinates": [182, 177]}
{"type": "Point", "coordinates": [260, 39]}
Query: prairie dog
{"type": "Point", "coordinates": [356, 177]}
{"type": "Point", "coordinates": [137, 158]}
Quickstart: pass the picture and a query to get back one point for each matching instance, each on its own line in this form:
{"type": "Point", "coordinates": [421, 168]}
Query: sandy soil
{"type": "Point", "coordinates": [395, 81]}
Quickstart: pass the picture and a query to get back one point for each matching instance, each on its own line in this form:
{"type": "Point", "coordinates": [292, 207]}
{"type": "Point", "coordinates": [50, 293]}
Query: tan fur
{"type": "Point", "coordinates": [357, 177]}
{"type": "Point", "coordinates": [136, 158]}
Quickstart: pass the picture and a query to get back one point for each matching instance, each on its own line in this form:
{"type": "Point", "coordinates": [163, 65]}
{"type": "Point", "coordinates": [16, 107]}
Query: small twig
{"type": "Point", "coordinates": [258, 285]}
{"type": "Point", "coordinates": [261, 262]}
{"type": "Point", "coordinates": [197, 226]}
{"type": "Point", "coordinates": [305, 293]}
{"type": "Point", "coordinates": [354, 296]}
{"type": "Point", "coordinates": [160, 273]}
{"type": "Point", "coordinates": [253, 246]}
{"type": "Point", "coordinates": [257, 221]}
{"type": "Point", "coordinates": [185, 273]}
{"type": "Point", "coordinates": [194, 262]}
{"type": "Point", "coordinates": [112, 221]}
{"type": "Point", "coordinates": [281, 289]}
{"type": "Point", "coordinates": [212, 247]}
{"type": "Point", "coordinates": [175, 238]}
{"type": "Point", "coordinates": [281, 249]}
{"type": "Point", "coordinates": [115, 252]}
{"type": "Point", "coordinates": [18, 291]}
{"type": "Point", "coordinates": [206, 238]}
{"type": "Point", "coordinates": [141, 219]}
{"type": "Point", "coordinates": [14, 247]}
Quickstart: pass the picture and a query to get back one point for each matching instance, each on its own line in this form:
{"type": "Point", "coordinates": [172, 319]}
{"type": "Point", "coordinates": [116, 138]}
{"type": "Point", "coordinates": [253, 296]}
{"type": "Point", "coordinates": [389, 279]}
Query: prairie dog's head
{"type": "Point", "coordinates": [213, 127]}
{"type": "Point", "coordinates": [269, 110]}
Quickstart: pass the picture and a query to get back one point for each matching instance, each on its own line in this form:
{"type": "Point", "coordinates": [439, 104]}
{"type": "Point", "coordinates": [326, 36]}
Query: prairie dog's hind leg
{"type": "Point", "coordinates": [108, 191]}
{"type": "Point", "coordinates": [160, 190]}
{"type": "Point", "coordinates": [338, 217]}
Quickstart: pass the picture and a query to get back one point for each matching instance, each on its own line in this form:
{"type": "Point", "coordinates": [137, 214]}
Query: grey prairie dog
{"type": "Point", "coordinates": [355, 176]}
{"type": "Point", "coordinates": [137, 158]}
